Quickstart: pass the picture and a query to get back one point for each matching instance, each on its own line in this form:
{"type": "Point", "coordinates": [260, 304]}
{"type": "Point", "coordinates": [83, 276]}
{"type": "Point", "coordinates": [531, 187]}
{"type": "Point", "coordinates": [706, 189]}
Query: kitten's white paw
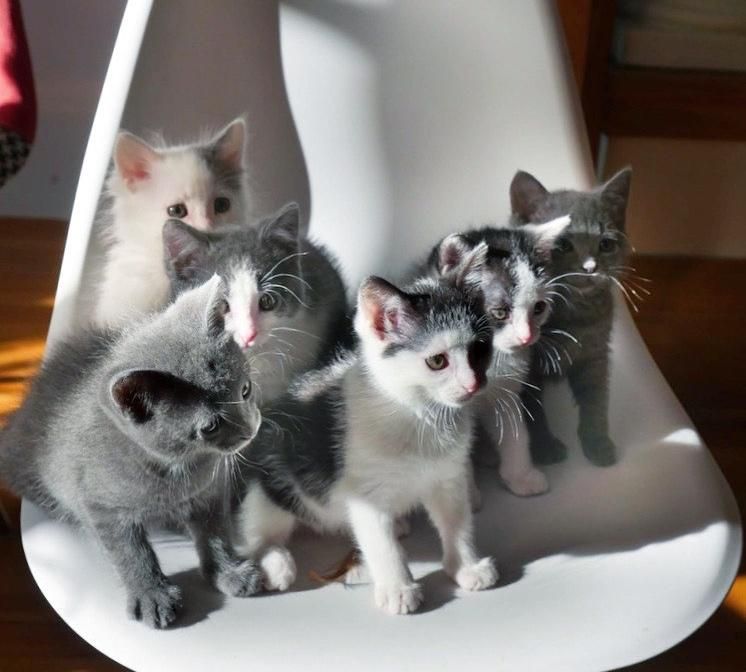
{"type": "Point", "coordinates": [399, 599]}
{"type": "Point", "coordinates": [402, 527]}
{"type": "Point", "coordinates": [278, 567]}
{"type": "Point", "coordinates": [482, 574]}
{"type": "Point", "coordinates": [527, 484]}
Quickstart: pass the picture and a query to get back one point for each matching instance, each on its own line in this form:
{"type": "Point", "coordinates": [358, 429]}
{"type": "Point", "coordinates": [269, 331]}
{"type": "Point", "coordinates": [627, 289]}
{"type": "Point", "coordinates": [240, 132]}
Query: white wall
{"type": "Point", "coordinates": [70, 44]}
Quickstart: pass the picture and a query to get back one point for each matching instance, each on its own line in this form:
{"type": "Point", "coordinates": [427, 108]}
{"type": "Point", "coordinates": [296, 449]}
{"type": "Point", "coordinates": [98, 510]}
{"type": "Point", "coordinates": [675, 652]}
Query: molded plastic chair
{"type": "Point", "coordinates": [412, 119]}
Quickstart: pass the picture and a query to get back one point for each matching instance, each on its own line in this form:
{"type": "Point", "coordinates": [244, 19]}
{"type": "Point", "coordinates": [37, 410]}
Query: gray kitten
{"type": "Point", "coordinates": [120, 431]}
{"type": "Point", "coordinates": [287, 301]}
{"type": "Point", "coordinates": [586, 262]}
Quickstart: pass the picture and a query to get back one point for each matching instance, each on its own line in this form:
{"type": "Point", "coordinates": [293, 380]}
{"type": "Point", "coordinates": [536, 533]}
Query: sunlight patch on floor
{"type": "Point", "coordinates": [736, 599]}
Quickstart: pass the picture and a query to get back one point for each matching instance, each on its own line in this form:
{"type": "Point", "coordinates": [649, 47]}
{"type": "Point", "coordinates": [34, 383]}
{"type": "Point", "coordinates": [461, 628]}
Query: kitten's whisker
{"type": "Point", "coordinates": [626, 294]}
{"type": "Point", "coordinates": [289, 256]}
{"type": "Point", "coordinates": [300, 331]}
{"type": "Point", "coordinates": [562, 332]}
{"type": "Point", "coordinates": [289, 275]}
{"type": "Point", "coordinates": [290, 291]}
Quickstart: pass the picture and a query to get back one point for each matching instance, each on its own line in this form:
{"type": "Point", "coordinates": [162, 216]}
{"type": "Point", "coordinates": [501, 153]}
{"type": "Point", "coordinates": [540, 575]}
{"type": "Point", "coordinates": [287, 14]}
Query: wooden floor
{"type": "Point", "coordinates": [694, 325]}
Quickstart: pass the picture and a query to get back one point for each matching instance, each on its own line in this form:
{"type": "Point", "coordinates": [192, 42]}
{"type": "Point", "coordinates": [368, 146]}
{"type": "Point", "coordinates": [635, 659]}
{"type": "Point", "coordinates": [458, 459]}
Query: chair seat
{"type": "Point", "coordinates": [612, 566]}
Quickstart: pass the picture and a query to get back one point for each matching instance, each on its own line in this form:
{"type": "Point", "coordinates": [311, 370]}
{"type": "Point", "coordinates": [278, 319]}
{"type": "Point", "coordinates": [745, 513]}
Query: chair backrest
{"type": "Point", "coordinates": [412, 116]}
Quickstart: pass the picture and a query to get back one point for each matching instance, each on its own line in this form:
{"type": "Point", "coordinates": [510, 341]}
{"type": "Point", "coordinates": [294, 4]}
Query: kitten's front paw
{"type": "Point", "coordinates": [600, 450]}
{"type": "Point", "coordinates": [399, 599]}
{"type": "Point", "coordinates": [483, 574]}
{"type": "Point", "coordinates": [156, 607]}
{"type": "Point", "coordinates": [527, 484]}
{"type": "Point", "coordinates": [279, 568]}
{"type": "Point", "coordinates": [241, 579]}
{"type": "Point", "coordinates": [547, 449]}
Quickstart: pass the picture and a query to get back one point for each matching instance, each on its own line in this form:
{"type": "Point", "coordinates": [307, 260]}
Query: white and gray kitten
{"type": "Point", "coordinates": [287, 305]}
{"type": "Point", "coordinates": [517, 302]}
{"type": "Point", "coordinates": [123, 430]}
{"type": "Point", "coordinates": [202, 183]}
{"type": "Point", "coordinates": [392, 434]}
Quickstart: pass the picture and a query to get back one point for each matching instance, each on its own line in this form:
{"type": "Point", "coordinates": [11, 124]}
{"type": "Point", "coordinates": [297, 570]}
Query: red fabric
{"type": "Point", "coordinates": [17, 96]}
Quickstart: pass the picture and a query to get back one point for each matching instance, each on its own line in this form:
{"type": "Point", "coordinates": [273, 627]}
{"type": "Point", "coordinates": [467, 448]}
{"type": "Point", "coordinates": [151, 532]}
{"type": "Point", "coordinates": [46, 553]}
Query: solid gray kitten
{"type": "Point", "coordinates": [287, 301]}
{"type": "Point", "coordinates": [587, 261]}
{"type": "Point", "coordinates": [120, 431]}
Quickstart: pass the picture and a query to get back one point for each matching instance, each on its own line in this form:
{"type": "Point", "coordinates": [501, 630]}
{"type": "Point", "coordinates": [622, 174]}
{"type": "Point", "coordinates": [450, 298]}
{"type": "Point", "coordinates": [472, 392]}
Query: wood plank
{"type": "Point", "coordinates": [658, 102]}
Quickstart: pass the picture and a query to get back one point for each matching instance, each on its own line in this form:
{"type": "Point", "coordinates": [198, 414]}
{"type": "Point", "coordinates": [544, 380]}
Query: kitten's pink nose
{"type": "Point", "coordinates": [525, 336]}
{"type": "Point", "coordinates": [248, 338]}
{"type": "Point", "coordinates": [471, 387]}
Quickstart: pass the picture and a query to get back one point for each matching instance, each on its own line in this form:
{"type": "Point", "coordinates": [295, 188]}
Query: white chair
{"type": "Point", "coordinates": [412, 118]}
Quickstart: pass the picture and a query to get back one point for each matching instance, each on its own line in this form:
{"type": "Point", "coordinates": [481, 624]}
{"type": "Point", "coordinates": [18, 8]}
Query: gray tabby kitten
{"type": "Point", "coordinates": [517, 302]}
{"type": "Point", "coordinates": [287, 303]}
{"type": "Point", "coordinates": [392, 434]}
{"type": "Point", "coordinates": [587, 261]}
{"type": "Point", "coordinates": [120, 431]}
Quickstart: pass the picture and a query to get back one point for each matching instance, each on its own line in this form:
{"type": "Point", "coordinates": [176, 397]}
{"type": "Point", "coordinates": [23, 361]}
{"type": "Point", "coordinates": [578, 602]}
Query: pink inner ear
{"type": "Point", "coordinates": [135, 173]}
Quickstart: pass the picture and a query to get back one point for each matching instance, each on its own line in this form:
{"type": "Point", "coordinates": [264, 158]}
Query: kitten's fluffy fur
{"type": "Point", "coordinates": [587, 261]}
{"type": "Point", "coordinates": [202, 183]}
{"type": "Point", "coordinates": [517, 302]}
{"type": "Point", "coordinates": [287, 301]}
{"type": "Point", "coordinates": [392, 434]}
{"type": "Point", "coordinates": [121, 431]}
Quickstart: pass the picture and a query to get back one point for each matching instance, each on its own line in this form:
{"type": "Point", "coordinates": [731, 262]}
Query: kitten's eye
{"type": "Point", "coordinates": [212, 428]}
{"type": "Point", "coordinates": [564, 245]}
{"type": "Point", "coordinates": [607, 244]}
{"type": "Point", "coordinates": [246, 390]}
{"type": "Point", "coordinates": [437, 362]}
{"type": "Point", "coordinates": [501, 314]}
{"type": "Point", "coordinates": [267, 302]}
{"type": "Point", "coordinates": [178, 210]}
{"type": "Point", "coordinates": [540, 307]}
{"type": "Point", "coordinates": [222, 204]}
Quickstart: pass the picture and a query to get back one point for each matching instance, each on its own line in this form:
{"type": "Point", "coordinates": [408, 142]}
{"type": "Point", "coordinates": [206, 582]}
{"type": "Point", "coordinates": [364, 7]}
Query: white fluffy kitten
{"type": "Point", "coordinates": [203, 184]}
{"type": "Point", "coordinates": [394, 433]}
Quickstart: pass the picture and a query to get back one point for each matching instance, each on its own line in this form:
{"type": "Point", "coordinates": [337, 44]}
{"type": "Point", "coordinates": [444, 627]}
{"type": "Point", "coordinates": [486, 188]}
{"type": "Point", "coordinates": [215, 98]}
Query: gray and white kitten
{"type": "Point", "coordinates": [121, 431]}
{"type": "Point", "coordinates": [287, 304]}
{"type": "Point", "coordinates": [392, 434]}
{"type": "Point", "coordinates": [517, 302]}
{"type": "Point", "coordinates": [587, 261]}
{"type": "Point", "coordinates": [201, 183]}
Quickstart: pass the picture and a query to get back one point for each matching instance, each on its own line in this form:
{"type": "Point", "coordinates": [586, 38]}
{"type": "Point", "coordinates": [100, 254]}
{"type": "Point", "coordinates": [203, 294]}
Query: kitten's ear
{"type": "Point", "coordinates": [229, 144]}
{"type": "Point", "coordinates": [184, 249]}
{"type": "Point", "coordinates": [618, 185]}
{"type": "Point", "coordinates": [451, 252]}
{"type": "Point", "coordinates": [469, 270]}
{"type": "Point", "coordinates": [285, 223]}
{"type": "Point", "coordinates": [545, 235]}
{"type": "Point", "coordinates": [526, 195]}
{"type": "Point", "coordinates": [136, 392]}
{"type": "Point", "coordinates": [460, 262]}
{"type": "Point", "coordinates": [216, 307]}
{"type": "Point", "coordinates": [386, 310]}
{"type": "Point", "coordinates": [615, 193]}
{"type": "Point", "coordinates": [134, 159]}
